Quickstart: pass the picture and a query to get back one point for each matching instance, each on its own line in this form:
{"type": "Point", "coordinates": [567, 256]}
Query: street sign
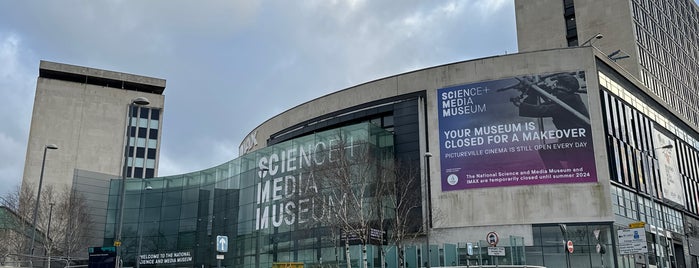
{"type": "Point", "coordinates": [638, 224]}
{"type": "Point", "coordinates": [570, 247]}
{"type": "Point", "coordinates": [222, 243]}
{"type": "Point", "coordinates": [101, 257]}
{"type": "Point", "coordinates": [496, 251]}
{"type": "Point", "coordinates": [632, 241]}
{"type": "Point", "coordinates": [492, 238]}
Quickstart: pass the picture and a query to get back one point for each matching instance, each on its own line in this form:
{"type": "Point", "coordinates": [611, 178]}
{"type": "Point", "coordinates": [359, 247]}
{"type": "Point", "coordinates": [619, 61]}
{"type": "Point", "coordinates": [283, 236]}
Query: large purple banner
{"type": "Point", "coordinates": [519, 131]}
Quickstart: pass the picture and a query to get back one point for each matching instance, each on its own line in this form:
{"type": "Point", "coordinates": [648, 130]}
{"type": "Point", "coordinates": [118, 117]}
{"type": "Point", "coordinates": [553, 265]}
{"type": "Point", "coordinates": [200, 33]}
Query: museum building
{"type": "Point", "coordinates": [543, 148]}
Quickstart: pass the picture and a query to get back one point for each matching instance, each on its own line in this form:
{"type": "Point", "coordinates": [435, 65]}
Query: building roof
{"type": "Point", "coordinates": [92, 76]}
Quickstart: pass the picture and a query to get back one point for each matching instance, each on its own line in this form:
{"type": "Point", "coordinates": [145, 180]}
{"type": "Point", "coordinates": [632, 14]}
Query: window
{"type": "Point", "coordinates": [153, 134]}
{"type": "Point", "coordinates": [155, 114]}
{"type": "Point", "coordinates": [151, 153]}
{"type": "Point", "coordinates": [141, 152]}
{"type": "Point", "coordinates": [152, 144]}
{"type": "Point", "coordinates": [142, 132]}
{"type": "Point", "coordinates": [144, 112]}
{"type": "Point", "coordinates": [154, 124]}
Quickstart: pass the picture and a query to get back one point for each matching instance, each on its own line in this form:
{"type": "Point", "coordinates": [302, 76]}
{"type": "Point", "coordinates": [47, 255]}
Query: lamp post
{"type": "Point", "coordinates": [48, 235]}
{"type": "Point", "coordinates": [140, 101]}
{"type": "Point", "coordinates": [428, 204]}
{"type": "Point", "coordinates": [140, 228]}
{"type": "Point", "coordinates": [591, 40]}
{"type": "Point", "coordinates": [38, 196]}
{"type": "Point", "coordinates": [653, 212]}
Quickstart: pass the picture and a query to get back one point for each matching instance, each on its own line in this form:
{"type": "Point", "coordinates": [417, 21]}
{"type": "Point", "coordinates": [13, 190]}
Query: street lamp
{"type": "Point", "coordinates": [653, 212]}
{"type": "Point", "coordinates": [428, 204]}
{"type": "Point", "coordinates": [38, 195]}
{"type": "Point", "coordinates": [48, 235]}
{"type": "Point", "coordinates": [140, 101]}
{"type": "Point", "coordinates": [591, 40]}
{"type": "Point", "coordinates": [140, 228]}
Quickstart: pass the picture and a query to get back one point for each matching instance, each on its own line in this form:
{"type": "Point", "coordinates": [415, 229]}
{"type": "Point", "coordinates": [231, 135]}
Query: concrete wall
{"type": "Point", "coordinates": [540, 25]}
{"type": "Point", "coordinates": [613, 19]}
{"type": "Point", "coordinates": [465, 215]}
{"type": "Point", "coordinates": [87, 122]}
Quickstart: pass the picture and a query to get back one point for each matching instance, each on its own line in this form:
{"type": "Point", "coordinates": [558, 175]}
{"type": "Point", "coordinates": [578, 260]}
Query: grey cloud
{"type": "Point", "coordinates": [230, 65]}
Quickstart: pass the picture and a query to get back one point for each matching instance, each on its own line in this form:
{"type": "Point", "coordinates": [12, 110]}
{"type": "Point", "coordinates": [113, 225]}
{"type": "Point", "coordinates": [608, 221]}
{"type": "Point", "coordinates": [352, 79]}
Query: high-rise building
{"type": "Point", "coordinates": [657, 41]}
{"type": "Point", "coordinates": [84, 112]}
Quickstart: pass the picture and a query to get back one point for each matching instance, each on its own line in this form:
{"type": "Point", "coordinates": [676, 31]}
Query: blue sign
{"type": "Point", "coordinates": [222, 243]}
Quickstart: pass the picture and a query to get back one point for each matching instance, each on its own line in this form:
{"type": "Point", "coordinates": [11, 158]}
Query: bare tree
{"type": "Point", "coordinates": [70, 224]}
{"type": "Point", "coordinates": [69, 221]}
{"type": "Point", "coordinates": [345, 185]}
{"type": "Point", "coordinates": [366, 194]}
{"type": "Point", "coordinates": [403, 199]}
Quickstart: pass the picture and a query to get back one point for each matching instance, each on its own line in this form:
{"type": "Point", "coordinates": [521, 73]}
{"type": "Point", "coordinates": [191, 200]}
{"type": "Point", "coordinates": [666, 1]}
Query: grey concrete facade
{"type": "Point", "coordinates": [86, 120]}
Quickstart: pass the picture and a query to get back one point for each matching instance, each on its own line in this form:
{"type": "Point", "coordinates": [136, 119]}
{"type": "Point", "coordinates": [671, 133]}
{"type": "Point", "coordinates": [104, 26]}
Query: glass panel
{"type": "Point", "coordinates": [139, 162]}
{"type": "Point", "coordinates": [155, 113]}
{"type": "Point", "coordinates": [152, 144]}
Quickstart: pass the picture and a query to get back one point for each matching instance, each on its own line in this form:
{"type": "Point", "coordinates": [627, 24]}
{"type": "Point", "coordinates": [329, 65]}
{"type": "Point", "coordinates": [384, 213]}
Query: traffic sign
{"type": "Point", "coordinates": [117, 243]}
{"type": "Point", "coordinates": [632, 241]}
{"type": "Point", "coordinates": [638, 224]}
{"type": "Point", "coordinates": [570, 247]}
{"type": "Point", "coordinates": [222, 243]}
{"type": "Point", "coordinates": [492, 238]}
{"type": "Point", "coordinates": [496, 251]}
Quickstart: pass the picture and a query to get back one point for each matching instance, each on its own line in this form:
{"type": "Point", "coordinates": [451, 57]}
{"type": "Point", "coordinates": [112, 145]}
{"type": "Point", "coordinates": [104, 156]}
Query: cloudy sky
{"type": "Point", "coordinates": [231, 64]}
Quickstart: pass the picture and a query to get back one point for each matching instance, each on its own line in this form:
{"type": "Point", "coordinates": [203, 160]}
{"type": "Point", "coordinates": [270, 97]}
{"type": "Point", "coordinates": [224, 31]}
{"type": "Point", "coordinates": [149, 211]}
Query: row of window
{"type": "Point", "coordinates": [143, 142]}
{"type": "Point", "coordinates": [635, 207]}
{"type": "Point", "coordinates": [647, 111]}
{"type": "Point", "coordinates": [571, 27]}
{"type": "Point", "coordinates": [668, 45]}
{"type": "Point", "coordinates": [632, 152]}
{"type": "Point", "coordinates": [680, 12]}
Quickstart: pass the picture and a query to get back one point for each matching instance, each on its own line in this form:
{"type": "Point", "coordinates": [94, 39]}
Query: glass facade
{"type": "Point", "coordinates": [640, 189]}
{"type": "Point", "coordinates": [266, 203]}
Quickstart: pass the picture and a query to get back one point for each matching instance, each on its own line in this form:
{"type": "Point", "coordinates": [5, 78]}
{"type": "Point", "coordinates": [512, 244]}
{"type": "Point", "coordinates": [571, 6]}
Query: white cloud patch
{"type": "Point", "coordinates": [17, 84]}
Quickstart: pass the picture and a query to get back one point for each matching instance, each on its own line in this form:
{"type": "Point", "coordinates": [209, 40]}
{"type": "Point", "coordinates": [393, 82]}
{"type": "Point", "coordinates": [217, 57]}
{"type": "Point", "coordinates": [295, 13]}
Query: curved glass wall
{"type": "Point", "coordinates": [262, 201]}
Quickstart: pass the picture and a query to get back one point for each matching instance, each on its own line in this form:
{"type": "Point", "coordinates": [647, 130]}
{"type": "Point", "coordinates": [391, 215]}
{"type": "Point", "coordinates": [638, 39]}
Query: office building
{"type": "Point", "coordinates": [84, 112]}
{"type": "Point", "coordinates": [656, 41]}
